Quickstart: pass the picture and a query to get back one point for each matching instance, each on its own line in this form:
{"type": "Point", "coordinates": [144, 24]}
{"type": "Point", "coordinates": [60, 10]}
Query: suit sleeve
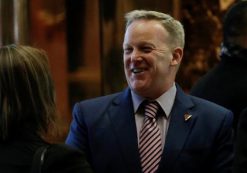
{"type": "Point", "coordinates": [77, 136]}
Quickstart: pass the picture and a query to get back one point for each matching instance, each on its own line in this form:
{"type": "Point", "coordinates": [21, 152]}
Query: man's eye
{"type": "Point", "coordinates": [147, 49]}
{"type": "Point", "coordinates": [127, 50]}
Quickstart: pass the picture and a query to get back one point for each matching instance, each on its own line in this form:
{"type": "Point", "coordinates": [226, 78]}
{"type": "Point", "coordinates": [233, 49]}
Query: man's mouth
{"type": "Point", "coordinates": [137, 70]}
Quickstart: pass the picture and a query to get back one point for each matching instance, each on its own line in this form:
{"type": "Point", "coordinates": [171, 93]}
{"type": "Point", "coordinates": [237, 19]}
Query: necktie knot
{"type": "Point", "coordinates": [151, 109]}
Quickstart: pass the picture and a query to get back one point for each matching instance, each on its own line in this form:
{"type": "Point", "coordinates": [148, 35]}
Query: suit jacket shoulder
{"type": "Point", "coordinates": [201, 143]}
{"type": "Point", "coordinates": [94, 107]}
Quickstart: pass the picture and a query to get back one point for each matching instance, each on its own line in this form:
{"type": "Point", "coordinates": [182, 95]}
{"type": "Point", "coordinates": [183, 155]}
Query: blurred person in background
{"type": "Point", "coordinates": [226, 83]}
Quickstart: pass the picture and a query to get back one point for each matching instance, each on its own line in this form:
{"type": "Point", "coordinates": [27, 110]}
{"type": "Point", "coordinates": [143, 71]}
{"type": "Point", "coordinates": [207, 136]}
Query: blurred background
{"type": "Point", "coordinates": [83, 39]}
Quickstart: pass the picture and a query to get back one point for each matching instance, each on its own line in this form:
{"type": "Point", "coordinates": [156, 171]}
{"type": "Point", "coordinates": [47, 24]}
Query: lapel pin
{"type": "Point", "coordinates": [187, 117]}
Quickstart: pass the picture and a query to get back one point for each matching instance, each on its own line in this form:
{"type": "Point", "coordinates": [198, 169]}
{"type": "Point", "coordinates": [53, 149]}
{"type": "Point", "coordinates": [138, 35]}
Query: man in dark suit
{"type": "Point", "coordinates": [185, 134]}
{"type": "Point", "coordinates": [226, 83]}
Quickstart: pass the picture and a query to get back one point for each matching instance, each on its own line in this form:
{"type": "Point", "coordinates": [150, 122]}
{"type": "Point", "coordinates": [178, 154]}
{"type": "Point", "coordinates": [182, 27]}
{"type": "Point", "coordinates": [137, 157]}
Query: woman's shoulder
{"type": "Point", "coordinates": [64, 159]}
{"type": "Point", "coordinates": [63, 150]}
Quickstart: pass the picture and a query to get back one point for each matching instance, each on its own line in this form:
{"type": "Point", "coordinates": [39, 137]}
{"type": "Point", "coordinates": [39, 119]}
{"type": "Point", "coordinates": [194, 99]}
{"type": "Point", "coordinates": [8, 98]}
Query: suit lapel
{"type": "Point", "coordinates": [122, 118]}
{"type": "Point", "coordinates": [178, 130]}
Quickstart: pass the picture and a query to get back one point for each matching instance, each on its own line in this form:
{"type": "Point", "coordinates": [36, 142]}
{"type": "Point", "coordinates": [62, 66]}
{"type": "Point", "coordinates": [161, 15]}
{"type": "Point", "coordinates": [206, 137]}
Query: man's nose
{"type": "Point", "coordinates": [136, 56]}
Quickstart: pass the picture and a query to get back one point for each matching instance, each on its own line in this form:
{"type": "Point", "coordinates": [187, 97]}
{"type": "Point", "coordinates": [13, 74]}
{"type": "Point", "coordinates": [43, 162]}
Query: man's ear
{"type": "Point", "coordinates": [177, 56]}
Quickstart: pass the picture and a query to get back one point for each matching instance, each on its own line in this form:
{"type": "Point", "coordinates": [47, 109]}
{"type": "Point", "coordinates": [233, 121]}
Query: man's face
{"type": "Point", "coordinates": [148, 58]}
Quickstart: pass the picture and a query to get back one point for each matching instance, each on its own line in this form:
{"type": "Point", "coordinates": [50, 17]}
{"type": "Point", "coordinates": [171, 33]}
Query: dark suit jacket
{"type": "Point", "coordinates": [226, 85]}
{"type": "Point", "coordinates": [16, 156]}
{"type": "Point", "coordinates": [105, 128]}
{"type": "Point", "coordinates": [240, 161]}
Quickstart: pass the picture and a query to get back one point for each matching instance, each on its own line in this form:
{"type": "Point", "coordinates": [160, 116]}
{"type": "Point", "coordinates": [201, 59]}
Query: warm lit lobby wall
{"type": "Point", "coordinates": [69, 32]}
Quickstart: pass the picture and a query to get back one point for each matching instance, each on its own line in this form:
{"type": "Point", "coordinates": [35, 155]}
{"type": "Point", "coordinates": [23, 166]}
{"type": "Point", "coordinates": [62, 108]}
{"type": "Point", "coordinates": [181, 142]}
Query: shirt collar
{"type": "Point", "coordinates": [166, 100]}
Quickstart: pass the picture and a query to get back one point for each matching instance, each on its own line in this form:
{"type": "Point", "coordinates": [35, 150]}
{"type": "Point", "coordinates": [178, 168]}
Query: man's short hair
{"type": "Point", "coordinates": [173, 26]}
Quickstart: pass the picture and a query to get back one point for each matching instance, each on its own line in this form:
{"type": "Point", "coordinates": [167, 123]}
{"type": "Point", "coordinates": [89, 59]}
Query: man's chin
{"type": "Point", "coordinates": [140, 90]}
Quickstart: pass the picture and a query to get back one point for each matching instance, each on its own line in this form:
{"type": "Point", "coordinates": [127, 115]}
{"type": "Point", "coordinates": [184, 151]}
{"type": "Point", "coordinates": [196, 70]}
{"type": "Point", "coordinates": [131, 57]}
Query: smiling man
{"type": "Point", "coordinates": [153, 126]}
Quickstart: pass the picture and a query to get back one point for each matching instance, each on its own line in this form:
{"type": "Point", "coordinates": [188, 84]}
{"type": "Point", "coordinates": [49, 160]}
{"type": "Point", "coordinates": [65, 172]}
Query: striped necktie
{"type": "Point", "coordinates": [150, 148]}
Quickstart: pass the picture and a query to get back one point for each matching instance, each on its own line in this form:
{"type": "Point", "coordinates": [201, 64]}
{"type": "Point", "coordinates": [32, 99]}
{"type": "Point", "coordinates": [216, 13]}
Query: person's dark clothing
{"type": "Point", "coordinates": [240, 161]}
{"type": "Point", "coordinates": [16, 156]}
{"type": "Point", "coordinates": [226, 83]}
